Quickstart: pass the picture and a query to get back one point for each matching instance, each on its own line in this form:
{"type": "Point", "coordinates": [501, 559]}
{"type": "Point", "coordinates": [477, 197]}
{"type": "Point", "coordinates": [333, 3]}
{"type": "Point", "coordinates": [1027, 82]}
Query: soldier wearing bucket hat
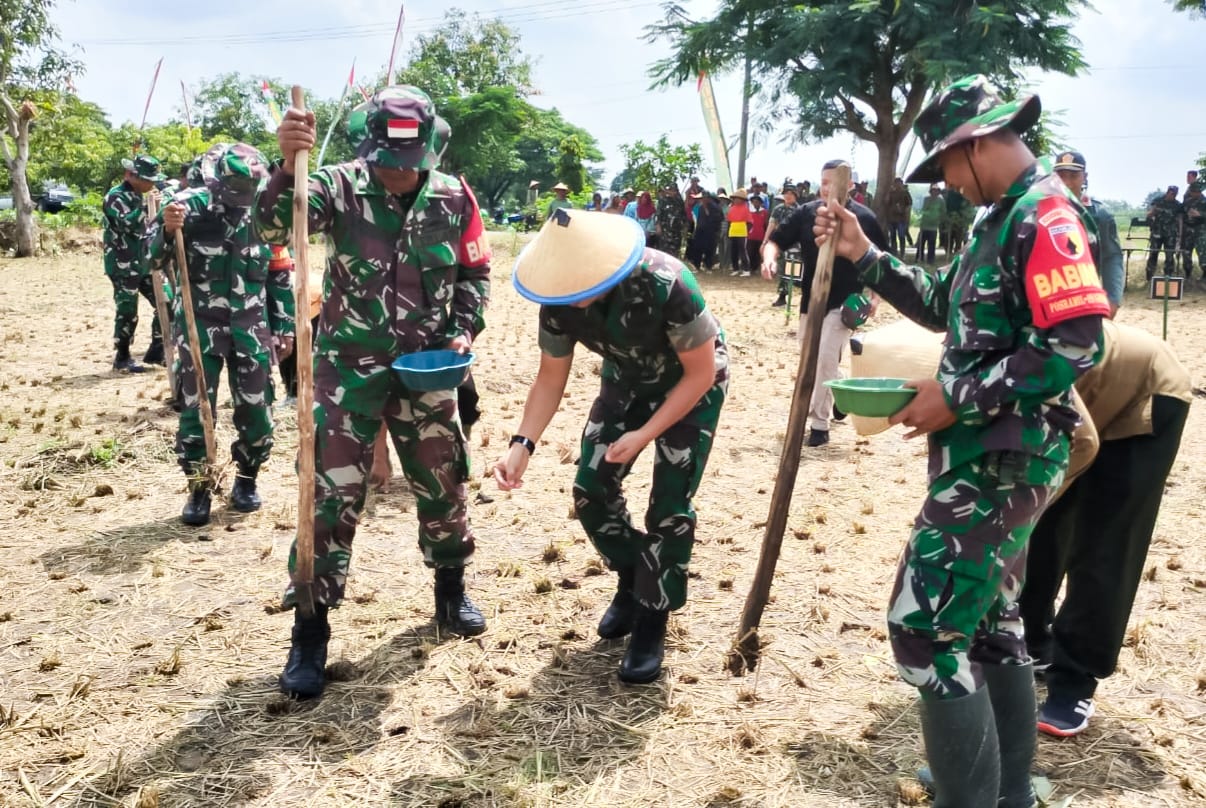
{"type": "Point", "coordinates": [665, 373]}
{"type": "Point", "coordinates": [243, 311]}
{"type": "Point", "coordinates": [1070, 167]}
{"type": "Point", "coordinates": [1022, 307]}
{"type": "Point", "coordinates": [125, 216]}
{"type": "Point", "coordinates": [408, 269]}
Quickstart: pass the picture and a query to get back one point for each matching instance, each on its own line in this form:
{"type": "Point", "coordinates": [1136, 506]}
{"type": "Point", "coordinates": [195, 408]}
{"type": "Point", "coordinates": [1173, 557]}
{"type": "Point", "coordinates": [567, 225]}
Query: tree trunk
{"type": "Point", "coordinates": [889, 152]}
{"type": "Point", "coordinates": [23, 205]}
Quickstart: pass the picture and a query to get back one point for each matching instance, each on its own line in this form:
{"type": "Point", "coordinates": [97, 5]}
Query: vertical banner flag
{"type": "Point", "coordinates": [393, 51]}
{"type": "Point", "coordinates": [720, 153]}
{"type": "Point", "coordinates": [337, 117]}
{"type": "Point", "coordinates": [270, 99]}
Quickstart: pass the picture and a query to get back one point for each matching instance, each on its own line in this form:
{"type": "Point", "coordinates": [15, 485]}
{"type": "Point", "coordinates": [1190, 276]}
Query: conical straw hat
{"type": "Point", "coordinates": [577, 255]}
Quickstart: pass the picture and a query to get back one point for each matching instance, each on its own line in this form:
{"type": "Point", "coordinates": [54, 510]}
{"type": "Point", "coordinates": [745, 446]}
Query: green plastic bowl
{"type": "Point", "coordinates": [426, 371]}
{"type": "Point", "coordinates": [871, 397]}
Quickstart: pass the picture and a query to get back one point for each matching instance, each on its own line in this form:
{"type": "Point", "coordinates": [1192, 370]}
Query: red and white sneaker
{"type": "Point", "coordinates": [1064, 718]}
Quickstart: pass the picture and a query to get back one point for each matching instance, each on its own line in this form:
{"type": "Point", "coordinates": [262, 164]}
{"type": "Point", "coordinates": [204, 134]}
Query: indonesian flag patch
{"type": "Point", "coordinates": [1061, 279]}
{"type": "Point", "coordinates": [402, 129]}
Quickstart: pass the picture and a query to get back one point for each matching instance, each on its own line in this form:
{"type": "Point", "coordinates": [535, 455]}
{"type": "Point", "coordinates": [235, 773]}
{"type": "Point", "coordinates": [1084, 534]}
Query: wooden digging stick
{"type": "Point", "coordinates": [744, 654]}
{"type": "Point", "coordinates": [194, 348]}
{"type": "Point", "coordinates": [161, 311]}
{"type": "Point", "coordinates": [303, 572]}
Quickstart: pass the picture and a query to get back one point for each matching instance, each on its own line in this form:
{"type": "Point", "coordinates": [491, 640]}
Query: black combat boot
{"type": "Point", "coordinates": [154, 354]}
{"type": "Point", "coordinates": [642, 661]}
{"type": "Point", "coordinates": [304, 675]}
{"type": "Point", "coordinates": [123, 361]}
{"type": "Point", "coordinates": [961, 746]}
{"type": "Point", "coordinates": [617, 620]}
{"type": "Point", "coordinates": [1011, 691]}
{"type": "Point", "coordinates": [196, 510]}
{"type": "Point", "coordinates": [455, 613]}
{"type": "Point", "coordinates": [243, 496]}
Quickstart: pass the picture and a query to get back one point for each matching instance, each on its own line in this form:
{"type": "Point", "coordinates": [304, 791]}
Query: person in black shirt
{"type": "Point", "coordinates": [796, 230]}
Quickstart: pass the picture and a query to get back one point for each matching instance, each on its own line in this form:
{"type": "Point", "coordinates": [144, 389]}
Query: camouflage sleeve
{"type": "Point", "coordinates": [158, 252]}
{"type": "Point", "coordinates": [280, 302]}
{"type": "Point", "coordinates": [274, 205]}
{"type": "Point", "coordinates": [689, 323]}
{"type": "Point", "coordinates": [1113, 276]}
{"type": "Point", "coordinates": [1045, 366]}
{"type": "Point", "coordinates": [552, 337]}
{"type": "Point", "coordinates": [471, 293]}
{"type": "Point", "coordinates": [127, 221]}
{"type": "Point", "coordinates": [918, 295]}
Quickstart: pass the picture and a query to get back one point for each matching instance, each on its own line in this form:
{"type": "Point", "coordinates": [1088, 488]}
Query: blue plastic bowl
{"type": "Point", "coordinates": [433, 370]}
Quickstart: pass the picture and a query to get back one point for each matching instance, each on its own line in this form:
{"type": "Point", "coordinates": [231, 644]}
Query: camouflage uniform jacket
{"type": "Point", "coordinates": [1195, 216]}
{"type": "Point", "coordinates": [1109, 251]}
{"type": "Point", "coordinates": [400, 277]}
{"type": "Point", "coordinates": [781, 212]}
{"type": "Point", "coordinates": [1006, 369]}
{"type": "Point", "coordinates": [125, 232]}
{"type": "Point", "coordinates": [1165, 217]}
{"type": "Point", "coordinates": [238, 304]}
{"type": "Point", "coordinates": [639, 327]}
{"type": "Point", "coordinates": [671, 217]}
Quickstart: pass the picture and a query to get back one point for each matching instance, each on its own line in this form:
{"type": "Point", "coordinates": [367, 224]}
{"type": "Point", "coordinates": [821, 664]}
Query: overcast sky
{"type": "Point", "coordinates": [1139, 115]}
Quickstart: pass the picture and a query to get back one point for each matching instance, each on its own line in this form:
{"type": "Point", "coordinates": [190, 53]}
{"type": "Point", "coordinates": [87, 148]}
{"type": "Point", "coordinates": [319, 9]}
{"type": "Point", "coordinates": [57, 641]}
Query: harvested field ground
{"type": "Point", "coordinates": [138, 658]}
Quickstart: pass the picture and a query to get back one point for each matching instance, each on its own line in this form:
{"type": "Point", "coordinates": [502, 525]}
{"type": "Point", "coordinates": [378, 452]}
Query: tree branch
{"type": "Point", "coordinates": [854, 123]}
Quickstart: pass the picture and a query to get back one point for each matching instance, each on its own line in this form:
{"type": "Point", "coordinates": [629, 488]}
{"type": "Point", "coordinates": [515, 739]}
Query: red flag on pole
{"type": "Point", "coordinates": [147, 106]}
{"type": "Point", "coordinates": [393, 51]}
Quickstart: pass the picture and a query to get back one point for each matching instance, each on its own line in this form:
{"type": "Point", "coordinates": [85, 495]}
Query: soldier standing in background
{"type": "Point", "coordinates": [408, 269]}
{"type": "Point", "coordinates": [999, 416]}
{"type": "Point", "coordinates": [778, 216]}
{"type": "Point", "coordinates": [900, 210]}
{"type": "Point", "coordinates": [126, 259]}
{"type": "Point", "coordinates": [243, 311]}
{"type": "Point", "coordinates": [1164, 218]}
{"type": "Point", "coordinates": [1070, 166]}
{"type": "Point", "coordinates": [1193, 229]}
{"type": "Point", "coordinates": [671, 221]}
{"type": "Point", "coordinates": [664, 378]}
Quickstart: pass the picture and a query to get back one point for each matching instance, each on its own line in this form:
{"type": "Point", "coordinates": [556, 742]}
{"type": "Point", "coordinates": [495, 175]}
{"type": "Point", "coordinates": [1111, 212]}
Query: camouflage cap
{"type": "Point", "coordinates": [239, 171]}
{"type": "Point", "coordinates": [969, 108]}
{"type": "Point", "coordinates": [1070, 161]}
{"type": "Point", "coordinates": [203, 167]}
{"type": "Point", "coordinates": [398, 128]}
{"type": "Point", "coordinates": [145, 167]}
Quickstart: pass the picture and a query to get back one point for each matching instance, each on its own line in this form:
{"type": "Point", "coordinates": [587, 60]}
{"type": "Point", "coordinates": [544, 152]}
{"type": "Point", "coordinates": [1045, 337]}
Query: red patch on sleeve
{"type": "Point", "coordinates": [1061, 279]}
{"type": "Point", "coordinates": [475, 249]}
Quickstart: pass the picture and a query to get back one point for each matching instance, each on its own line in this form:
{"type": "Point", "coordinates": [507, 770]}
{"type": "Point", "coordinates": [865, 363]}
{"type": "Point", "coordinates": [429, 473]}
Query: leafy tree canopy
{"type": "Point", "coordinates": [651, 167]}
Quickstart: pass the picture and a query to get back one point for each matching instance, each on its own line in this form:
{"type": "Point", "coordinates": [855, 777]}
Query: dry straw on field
{"type": "Point", "coordinates": [138, 658]}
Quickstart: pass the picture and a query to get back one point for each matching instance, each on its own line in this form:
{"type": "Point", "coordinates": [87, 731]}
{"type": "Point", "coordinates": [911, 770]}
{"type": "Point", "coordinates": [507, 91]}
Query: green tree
{"type": "Point", "coordinates": [485, 132]}
{"type": "Point", "coordinates": [649, 167]}
{"type": "Point", "coordinates": [867, 66]}
{"type": "Point", "coordinates": [231, 107]}
{"type": "Point", "coordinates": [468, 55]}
{"type": "Point", "coordinates": [30, 63]}
{"type": "Point", "coordinates": [571, 168]}
{"type": "Point", "coordinates": [1194, 7]}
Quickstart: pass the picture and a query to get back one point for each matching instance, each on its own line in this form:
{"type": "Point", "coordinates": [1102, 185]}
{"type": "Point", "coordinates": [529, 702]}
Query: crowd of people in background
{"type": "Point", "coordinates": [1178, 229]}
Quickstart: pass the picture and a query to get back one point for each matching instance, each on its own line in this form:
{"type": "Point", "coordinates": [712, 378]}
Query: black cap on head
{"type": "Point", "coordinates": [1070, 161]}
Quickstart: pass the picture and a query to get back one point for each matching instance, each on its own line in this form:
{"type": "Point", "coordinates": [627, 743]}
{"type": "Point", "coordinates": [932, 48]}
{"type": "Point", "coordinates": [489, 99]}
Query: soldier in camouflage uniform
{"type": "Point", "coordinates": [126, 259]}
{"type": "Point", "coordinates": [1023, 309]}
{"type": "Point", "coordinates": [664, 377]}
{"type": "Point", "coordinates": [408, 269]}
{"type": "Point", "coordinates": [1164, 218]}
{"type": "Point", "coordinates": [243, 312]}
{"type": "Point", "coordinates": [671, 221]}
{"type": "Point", "coordinates": [779, 214]}
{"type": "Point", "coordinates": [1070, 167]}
{"type": "Point", "coordinates": [1193, 230]}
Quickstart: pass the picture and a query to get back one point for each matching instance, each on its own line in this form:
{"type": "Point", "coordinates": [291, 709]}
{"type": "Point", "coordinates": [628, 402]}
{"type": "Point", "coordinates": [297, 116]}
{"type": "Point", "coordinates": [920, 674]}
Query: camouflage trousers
{"type": "Point", "coordinates": [1168, 243]}
{"type": "Point", "coordinates": [126, 289]}
{"type": "Point", "coordinates": [1193, 240]}
{"type": "Point", "coordinates": [250, 382]}
{"type": "Point", "coordinates": [426, 431]}
{"type": "Point", "coordinates": [661, 553]}
{"type": "Point", "coordinates": [954, 605]}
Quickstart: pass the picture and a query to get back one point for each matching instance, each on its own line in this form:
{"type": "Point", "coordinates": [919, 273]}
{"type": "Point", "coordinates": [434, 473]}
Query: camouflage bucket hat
{"type": "Point", "coordinates": [241, 167]}
{"type": "Point", "coordinates": [969, 108]}
{"type": "Point", "coordinates": [398, 128]}
{"type": "Point", "coordinates": [145, 167]}
{"type": "Point", "coordinates": [202, 169]}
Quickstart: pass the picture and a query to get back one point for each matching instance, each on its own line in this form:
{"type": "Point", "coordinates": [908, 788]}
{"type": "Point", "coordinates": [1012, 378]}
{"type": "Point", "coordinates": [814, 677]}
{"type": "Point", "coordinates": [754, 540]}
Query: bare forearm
{"type": "Point", "coordinates": [543, 400]}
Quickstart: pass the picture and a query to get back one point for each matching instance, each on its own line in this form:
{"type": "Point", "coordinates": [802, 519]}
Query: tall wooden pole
{"type": "Point", "coordinates": [161, 311]}
{"type": "Point", "coordinates": [303, 571]}
{"type": "Point", "coordinates": [194, 348]}
{"type": "Point", "coordinates": [746, 646]}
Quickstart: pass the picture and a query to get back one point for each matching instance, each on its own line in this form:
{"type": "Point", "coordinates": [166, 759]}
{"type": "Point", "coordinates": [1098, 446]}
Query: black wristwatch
{"type": "Point", "coordinates": [526, 443]}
